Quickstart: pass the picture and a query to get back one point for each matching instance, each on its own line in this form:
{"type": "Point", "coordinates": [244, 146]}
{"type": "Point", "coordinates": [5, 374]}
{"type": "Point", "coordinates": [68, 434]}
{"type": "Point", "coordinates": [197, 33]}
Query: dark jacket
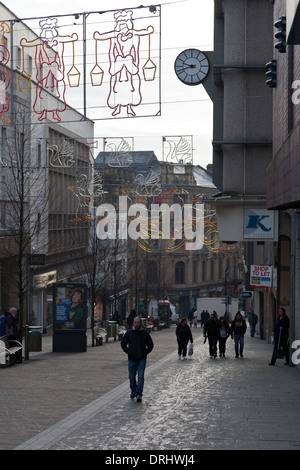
{"type": "Point", "coordinates": [283, 322]}
{"type": "Point", "coordinates": [184, 334]}
{"type": "Point", "coordinates": [137, 344]}
{"type": "Point", "coordinates": [211, 328]}
{"type": "Point", "coordinates": [238, 329]}
{"type": "Point", "coordinates": [11, 326]}
{"type": "Point", "coordinates": [226, 326]}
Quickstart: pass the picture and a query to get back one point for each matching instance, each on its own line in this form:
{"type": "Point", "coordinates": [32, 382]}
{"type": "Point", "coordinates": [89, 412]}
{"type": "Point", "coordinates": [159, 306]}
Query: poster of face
{"type": "Point", "coordinates": [69, 307]}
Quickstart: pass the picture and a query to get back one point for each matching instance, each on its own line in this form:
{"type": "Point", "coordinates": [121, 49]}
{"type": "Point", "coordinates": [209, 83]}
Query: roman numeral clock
{"type": "Point", "coordinates": [191, 66]}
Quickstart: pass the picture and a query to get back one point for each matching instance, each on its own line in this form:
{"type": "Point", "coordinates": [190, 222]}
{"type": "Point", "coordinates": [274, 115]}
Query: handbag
{"type": "Point", "coordinates": [191, 349]}
{"type": "Point", "coordinates": [279, 353]}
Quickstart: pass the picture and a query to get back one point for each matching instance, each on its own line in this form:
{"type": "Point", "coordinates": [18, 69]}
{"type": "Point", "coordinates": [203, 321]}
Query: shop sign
{"type": "Point", "coordinates": [261, 276]}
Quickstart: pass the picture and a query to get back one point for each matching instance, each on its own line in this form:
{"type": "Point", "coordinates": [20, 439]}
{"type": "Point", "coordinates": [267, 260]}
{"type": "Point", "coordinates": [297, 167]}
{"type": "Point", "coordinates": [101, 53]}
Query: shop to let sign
{"type": "Point", "coordinates": [261, 276]}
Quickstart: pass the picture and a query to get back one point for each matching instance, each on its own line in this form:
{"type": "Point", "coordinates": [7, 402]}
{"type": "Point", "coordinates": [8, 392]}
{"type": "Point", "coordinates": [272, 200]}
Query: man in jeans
{"type": "Point", "coordinates": [137, 343]}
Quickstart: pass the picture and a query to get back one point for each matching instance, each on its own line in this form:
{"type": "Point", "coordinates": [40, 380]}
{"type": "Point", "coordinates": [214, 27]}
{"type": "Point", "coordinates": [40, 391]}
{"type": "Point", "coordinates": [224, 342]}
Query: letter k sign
{"type": "Point", "coordinates": [258, 224]}
{"type": "Point", "coordinates": [255, 221]}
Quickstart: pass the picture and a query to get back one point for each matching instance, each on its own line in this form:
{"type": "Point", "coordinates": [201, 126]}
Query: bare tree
{"type": "Point", "coordinates": [23, 206]}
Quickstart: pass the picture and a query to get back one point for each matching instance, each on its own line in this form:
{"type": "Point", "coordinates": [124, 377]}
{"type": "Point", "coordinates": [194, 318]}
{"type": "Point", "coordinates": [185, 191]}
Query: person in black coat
{"type": "Point", "coordinates": [211, 330]}
{"type": "Point", "coordinates": [224, 333]}
{"type": "Point", "coordinates": [238, 330]}
{"type": "Point", "coordinates": [184, 335]}
{"type": "Point", "coordinates": [281, 336]}
{"type": "Point", "coordinates": [130, 319]}
{"type": "Point", "coordinates": [137, 344]}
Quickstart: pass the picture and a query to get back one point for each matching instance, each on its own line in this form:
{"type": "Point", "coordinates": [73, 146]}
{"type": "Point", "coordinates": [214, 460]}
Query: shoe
{"type": "Point", "coordinates": [184, 358]}
{"type": "Point", "coordinates": [271, 364]}
{"type": "Point", "coordinates": [236, 355]}
{"type": "Point", "coordinates": [241, 355]}
{"type": "Point", "coordinates": [132, 396]}
{"type": "Point", "coordinates": [138, 398]}
{"type": "Point", "coordinates": [179, 357]}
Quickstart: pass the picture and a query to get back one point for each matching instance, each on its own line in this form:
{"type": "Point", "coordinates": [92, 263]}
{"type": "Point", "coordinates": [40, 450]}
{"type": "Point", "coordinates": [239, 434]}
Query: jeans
{"type": "Point", "coordinates": [212, 341]}
{"type": "Point", "coordinates": [239, 341]}
{"type": "Point", "coordinates": [252, 329]}
{"type": "Point", "coordinates": [136, 368]}
{"type": "Point", "coordinates": [222, 345]}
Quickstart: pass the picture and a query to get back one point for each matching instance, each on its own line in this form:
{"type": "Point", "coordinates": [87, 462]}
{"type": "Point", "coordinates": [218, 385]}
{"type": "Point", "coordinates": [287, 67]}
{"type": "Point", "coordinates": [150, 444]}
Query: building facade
{"type": "Point", "coordinates": [283, 189]}
{"type": "Point", "coordinates": [45, 170]}
{"type": "Point", "coordinates": [242, 140]}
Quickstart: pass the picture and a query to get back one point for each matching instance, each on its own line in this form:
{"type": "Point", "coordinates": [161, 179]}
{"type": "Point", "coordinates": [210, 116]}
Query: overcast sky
{"type": "Point", "coordinates": [185, 110]}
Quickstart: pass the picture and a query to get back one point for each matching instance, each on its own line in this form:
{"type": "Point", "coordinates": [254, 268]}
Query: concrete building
{"type": "Point", "coordinates": [283, 173]}
{"type": "Point", "coordinates": [44, 160]}
{"type": "Point", "coordinates": [242, 139]}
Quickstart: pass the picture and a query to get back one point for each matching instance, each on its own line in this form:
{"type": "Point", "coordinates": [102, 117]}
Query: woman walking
{"type": "Point", "coordinates": [184, 335]}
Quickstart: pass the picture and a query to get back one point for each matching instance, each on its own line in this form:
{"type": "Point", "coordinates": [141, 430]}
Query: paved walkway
{"type": "Point", "coordinates": [80, 401]}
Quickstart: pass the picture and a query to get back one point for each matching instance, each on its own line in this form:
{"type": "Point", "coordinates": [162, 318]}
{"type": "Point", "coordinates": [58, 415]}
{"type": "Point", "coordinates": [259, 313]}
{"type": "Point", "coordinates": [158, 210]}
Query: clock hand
{"type": "Point", "coordinates": [192, 66]}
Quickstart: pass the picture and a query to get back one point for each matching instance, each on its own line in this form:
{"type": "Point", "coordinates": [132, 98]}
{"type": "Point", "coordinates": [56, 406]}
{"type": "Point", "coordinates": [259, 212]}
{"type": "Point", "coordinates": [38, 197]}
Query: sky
{"type": "Point", "coordinates": [184, 110]}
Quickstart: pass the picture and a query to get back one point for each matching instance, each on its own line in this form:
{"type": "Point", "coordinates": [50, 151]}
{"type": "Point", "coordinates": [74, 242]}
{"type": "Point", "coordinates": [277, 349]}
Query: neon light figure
{"type": "Point", "coordinates": [50, 69]}
{"type": "Point", "coordinates": [124, 62]}
{"type": "Point", "coordinates": [4, 74]}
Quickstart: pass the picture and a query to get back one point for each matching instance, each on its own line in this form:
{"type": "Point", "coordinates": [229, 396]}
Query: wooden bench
{"type": "Point", "coordinates": [100, 334]}
{"type": "Point", "coordinates": [8, 349]}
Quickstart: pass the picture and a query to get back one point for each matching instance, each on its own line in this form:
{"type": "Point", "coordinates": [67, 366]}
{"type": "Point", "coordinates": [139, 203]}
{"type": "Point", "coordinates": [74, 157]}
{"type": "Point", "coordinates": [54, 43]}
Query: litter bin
{"type": "Point", "coordinates": [34, 338]}
{"type": "Point", "coordinates": [112, 330]}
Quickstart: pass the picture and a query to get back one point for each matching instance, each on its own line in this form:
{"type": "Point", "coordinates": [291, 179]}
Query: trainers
{"type": "Point", "coordinates": [184, 358]}
{"type": "Point", "coordinates": [132, 396]}
{"type": "Point", "coordinates": [138, 398]}
{"type": "Point", "coordinates": [179, 357]}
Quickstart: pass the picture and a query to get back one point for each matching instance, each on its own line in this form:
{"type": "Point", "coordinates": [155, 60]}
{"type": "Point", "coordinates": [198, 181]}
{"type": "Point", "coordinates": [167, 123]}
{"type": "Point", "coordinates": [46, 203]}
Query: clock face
{"type": "Point", "coordinates": [191, 66]}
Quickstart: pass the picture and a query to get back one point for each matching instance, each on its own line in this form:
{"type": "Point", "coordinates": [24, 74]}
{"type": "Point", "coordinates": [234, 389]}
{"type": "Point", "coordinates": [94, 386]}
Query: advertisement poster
{"type": "Point", "coordinates": [70, 307]}
{"type": "Point", "coordinates": [261, 276]}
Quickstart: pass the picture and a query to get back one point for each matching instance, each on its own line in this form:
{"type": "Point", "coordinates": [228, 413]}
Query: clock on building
{"type": "Point", "coordinates": [191, 66]}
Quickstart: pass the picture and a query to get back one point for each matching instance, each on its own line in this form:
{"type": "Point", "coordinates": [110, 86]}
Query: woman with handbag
{"type": "Point", "coordinates": [183, 335]}
{"type": "Point", "coordinates": [281, 337]}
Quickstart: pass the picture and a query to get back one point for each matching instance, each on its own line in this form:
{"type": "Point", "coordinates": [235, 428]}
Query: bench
{"type": "Point", "coordinates": [121, 332]}
{"type": "Point", "coordinates": [100, 334]}
{"type": "Point", "coordinates": [8, 349]}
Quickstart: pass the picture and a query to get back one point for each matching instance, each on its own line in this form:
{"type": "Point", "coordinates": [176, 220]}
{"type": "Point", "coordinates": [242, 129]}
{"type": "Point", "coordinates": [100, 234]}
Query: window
{"type": "Point", "coordinates": [152, 272]}
{"type": "Point", "coordinates": [179, 272]}
{"type": "Point", "coordinates": [195, 271]}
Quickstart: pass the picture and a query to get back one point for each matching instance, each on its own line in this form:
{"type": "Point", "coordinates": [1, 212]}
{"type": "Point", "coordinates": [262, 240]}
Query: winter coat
{"type": "Point", "coordinates": [11, 326]}
{"type": "Point", "coordinates": [184, 334]}
{"type": "Point", "coordinates": [238, 327]}
{"type": "Point", "coordinates": [283, 322]}
{"type": "Point", "coordinates": [137, 344]}
{"type": "Point", "coordinates": [211, 328]}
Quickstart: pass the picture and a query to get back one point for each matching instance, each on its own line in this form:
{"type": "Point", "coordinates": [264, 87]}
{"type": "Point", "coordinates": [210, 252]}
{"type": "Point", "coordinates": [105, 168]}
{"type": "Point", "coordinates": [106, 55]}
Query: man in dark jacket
{"type": "Point", "coordinates": [184, 335]}
{"type": "Point", "coordinates": [211, 330]}
{"type": "Point", "coordinates": [137, 343]}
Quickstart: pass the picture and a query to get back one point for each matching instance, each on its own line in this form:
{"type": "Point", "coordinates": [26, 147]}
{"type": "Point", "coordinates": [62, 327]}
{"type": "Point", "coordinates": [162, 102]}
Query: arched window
{"type": "Point", "coordinates": [152, 272]}
{"type": "Point", "coordinates": [179, 272]}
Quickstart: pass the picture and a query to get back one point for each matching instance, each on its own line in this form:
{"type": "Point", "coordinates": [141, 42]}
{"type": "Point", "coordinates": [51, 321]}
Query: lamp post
{"type": "Point", "coordinates": [226, 296]}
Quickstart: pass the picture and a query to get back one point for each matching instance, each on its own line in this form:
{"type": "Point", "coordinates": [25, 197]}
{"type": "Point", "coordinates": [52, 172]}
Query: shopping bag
{"type": "Point", "coordinates": [191, 349]}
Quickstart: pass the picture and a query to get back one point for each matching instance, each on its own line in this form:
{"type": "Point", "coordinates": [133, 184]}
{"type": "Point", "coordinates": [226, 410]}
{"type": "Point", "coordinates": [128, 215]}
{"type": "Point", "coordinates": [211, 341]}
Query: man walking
{"type": "Point", "coordinates": [137, 344]}
{"type": "Point", "coordinates": [211, 330]}
{"type": "Point", "coordinates": [252, 319]}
